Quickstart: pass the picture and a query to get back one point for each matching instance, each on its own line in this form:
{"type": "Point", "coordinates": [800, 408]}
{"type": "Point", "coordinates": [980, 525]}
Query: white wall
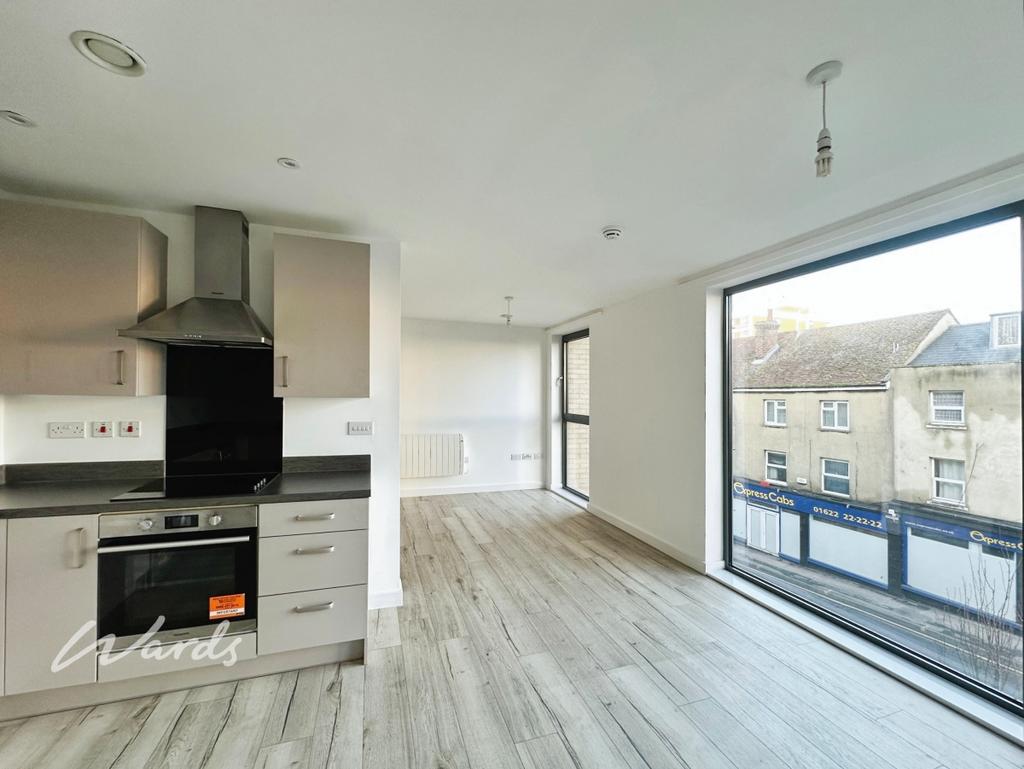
{"type": "Point", "coordinates": [481, 380]}
{"type": "Point", "coordinates": [647, 463]}
{"type": "Point", "coordinates": [312, 426]}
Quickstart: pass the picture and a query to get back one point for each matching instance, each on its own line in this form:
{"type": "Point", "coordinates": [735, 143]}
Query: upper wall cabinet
{"type": "Point", "coordinates": [321, 317]}
{"type": "Point", "coordinates": [69, 279]}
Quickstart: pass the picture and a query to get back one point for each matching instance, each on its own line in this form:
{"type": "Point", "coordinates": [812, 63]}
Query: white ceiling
{"type": "Point", "coordinates": [496, 137]}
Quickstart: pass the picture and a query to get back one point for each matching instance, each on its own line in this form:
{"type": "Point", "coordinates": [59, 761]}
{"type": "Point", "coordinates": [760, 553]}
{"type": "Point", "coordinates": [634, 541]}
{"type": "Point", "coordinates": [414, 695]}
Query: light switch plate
{"type": "Point", "coordinates": [129, 428]}
{"type": "Point", "coordinates": [66, 429]}
{"type": "Point", "coordinates": [360, 428]}
{"type": "Point", "coordinates": [102, 429]}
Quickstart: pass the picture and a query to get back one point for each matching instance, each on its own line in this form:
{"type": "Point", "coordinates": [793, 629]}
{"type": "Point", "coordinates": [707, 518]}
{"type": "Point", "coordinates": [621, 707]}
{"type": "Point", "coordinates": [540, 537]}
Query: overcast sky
{"type": "Point", "coordinates": [974, 273]}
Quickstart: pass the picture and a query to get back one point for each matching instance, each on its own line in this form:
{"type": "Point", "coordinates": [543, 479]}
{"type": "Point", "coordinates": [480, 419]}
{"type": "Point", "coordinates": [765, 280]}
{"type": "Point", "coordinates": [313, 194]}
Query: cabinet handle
{"type": "Point", "coordinates": [314, 550]}
{"type": "Point", "coordinates": [78, 552]}
{"type": "Point", "coordinates": [324, 517]}
{"type": "Point", "coordinates": [120, 368]}
{"type": "Point", "coordinates": [314, 607]}
{"type": "Point", "coordinates": [284, 371]}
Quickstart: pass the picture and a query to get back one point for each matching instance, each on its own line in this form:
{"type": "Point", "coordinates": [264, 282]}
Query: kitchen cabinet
{"type": "Point", "coordinates": [312, 618]}
{"type": "Point", "coordinates": [321, 317]}
{"type": "Point", "coordinates": [51, 596]}
{"type": "Point", "coordinates": [313, 573]}
{"type": "Point", "coordinates": [69, 279]}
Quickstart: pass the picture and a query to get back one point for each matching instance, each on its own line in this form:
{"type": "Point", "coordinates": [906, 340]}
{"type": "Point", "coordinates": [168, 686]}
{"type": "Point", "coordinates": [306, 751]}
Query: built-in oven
{"type": "Point", "coordinates": [194, 568]}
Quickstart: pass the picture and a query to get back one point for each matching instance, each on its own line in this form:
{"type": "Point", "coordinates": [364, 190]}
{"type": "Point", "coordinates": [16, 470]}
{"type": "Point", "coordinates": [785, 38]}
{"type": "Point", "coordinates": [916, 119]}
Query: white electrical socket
{"type": "Point", "coordinates": [130, 428]}
{"type": "Point", "coordinates": [65, 429]}
{"type": "Point", "coordinates": [360, 428]}
{"type": "Point", "coordinates": [102, 429]}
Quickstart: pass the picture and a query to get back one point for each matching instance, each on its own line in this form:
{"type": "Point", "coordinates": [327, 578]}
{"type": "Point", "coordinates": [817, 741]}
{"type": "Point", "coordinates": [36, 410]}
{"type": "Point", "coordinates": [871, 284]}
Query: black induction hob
{"type": "Point", "coordinates": [181, 486]}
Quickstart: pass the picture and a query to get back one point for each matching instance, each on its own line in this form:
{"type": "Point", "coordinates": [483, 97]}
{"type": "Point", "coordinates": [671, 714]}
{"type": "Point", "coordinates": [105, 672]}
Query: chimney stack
{"type": "Point", "coordinates": [766, 336]}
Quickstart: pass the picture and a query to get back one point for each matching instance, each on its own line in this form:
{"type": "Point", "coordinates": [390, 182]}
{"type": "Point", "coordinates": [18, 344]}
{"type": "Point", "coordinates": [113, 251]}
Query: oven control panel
{"type": "Point", "coordinates": [155, 522]}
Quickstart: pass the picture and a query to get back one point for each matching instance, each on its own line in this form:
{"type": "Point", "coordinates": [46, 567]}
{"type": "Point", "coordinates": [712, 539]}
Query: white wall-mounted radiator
{"type": "Point", "coordinates": [432, 455]}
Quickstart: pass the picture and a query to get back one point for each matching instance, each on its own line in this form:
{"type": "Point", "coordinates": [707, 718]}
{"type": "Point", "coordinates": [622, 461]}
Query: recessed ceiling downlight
{"type": "Point", "coordinates": [17, 119]}
{"type": "Point", "coordinates": [290, 163]}
{"type": "Point", "coordinates": [104, 51]}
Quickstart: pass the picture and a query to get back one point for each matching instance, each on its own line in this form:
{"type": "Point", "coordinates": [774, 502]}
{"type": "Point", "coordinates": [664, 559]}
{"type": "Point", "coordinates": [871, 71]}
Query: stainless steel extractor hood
{"type": "Point", "coordinates": [219, 314]}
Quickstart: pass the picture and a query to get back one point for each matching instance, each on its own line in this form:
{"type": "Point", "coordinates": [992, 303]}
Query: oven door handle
{"type": "Point", "coordinates": [170, 545]}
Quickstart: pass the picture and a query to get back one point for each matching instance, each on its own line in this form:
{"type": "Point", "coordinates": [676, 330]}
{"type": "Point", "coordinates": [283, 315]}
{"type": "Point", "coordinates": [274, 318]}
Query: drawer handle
{"type": "Point", "coordinates": [314, 550]}
{"type": "Point", "coordinates": [314, 607]}
{"type": "Point", "coordinates": [324, 517]}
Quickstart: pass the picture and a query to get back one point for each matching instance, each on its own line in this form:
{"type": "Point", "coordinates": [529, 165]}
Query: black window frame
{"type": "Point", "coordinates": [567, 416]}
{"type": "Point", "coordinates": [952, 227]}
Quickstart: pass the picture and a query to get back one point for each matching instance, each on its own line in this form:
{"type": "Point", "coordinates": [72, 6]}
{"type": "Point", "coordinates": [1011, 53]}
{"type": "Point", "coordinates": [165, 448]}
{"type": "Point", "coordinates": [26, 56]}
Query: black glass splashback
{"type": "Point", "coordinates": [222, 417]}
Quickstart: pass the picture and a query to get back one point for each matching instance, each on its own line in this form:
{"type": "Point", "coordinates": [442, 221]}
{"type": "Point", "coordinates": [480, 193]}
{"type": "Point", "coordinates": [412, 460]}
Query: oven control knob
{"type": "Point", "coordinates": [215, 520]}
{"type": "Point", "coordinates": [146, 524]}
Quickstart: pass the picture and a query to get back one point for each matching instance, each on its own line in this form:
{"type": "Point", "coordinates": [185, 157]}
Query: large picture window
{"type": "Point", "coordinates": [906, 529]}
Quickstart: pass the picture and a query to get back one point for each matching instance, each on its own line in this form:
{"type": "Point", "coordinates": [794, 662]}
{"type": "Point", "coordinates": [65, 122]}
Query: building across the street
{"type": "Point", "coordinates": [885, 451]}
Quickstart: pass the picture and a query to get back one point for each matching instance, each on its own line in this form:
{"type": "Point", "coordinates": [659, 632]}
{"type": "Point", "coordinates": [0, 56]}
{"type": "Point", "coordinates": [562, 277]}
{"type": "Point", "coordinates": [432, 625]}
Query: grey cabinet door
{"type": "Point", "coordinates": [51, 596]}
{"type": "Point", "coordinates": [321, 317]}
{"type": "Point", "coordinates": [69, 279]}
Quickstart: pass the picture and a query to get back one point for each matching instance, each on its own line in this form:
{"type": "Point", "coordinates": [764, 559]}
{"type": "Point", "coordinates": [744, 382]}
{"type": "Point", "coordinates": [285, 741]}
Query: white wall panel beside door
{"type": "Point", "coordinates": [3, 595]}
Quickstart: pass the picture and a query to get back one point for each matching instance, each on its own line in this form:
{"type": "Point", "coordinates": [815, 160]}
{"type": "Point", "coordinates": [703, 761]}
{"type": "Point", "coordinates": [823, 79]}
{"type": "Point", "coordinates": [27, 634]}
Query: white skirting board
{"type": "Point", "coordinates": [695, 563]}
{"type": "Point", "coordinates": [435, 491]}
{"type": "Point", "coordinates": [386, 599]}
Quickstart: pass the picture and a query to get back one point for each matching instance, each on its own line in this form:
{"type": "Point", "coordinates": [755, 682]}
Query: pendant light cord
{"type": "Point", "coordinates": [824, 84]}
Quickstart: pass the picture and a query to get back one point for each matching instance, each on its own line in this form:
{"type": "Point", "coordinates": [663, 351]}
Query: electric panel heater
{"type": "Point", "coordinates": [432, 455]}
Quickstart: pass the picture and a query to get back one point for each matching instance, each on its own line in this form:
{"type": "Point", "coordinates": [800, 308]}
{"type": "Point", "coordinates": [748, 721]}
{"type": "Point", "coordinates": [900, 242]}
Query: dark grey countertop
{"type": "Point", "coordinates": [42, 498]}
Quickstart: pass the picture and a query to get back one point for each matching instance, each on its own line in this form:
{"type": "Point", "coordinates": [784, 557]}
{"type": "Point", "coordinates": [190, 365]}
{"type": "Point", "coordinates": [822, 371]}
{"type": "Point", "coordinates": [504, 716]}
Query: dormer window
{"type": "Point", "coordinates": [1006, 330]}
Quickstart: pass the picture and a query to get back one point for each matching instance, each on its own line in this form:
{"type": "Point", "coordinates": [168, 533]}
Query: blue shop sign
{"type": "Point", "coordinates": [964, 533]}
{"type": "Point", "coordinates": [834, 512]}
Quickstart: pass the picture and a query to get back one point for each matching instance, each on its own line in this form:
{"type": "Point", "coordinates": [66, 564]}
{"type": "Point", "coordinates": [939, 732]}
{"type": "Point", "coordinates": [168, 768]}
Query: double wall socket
{"type": "Point", "coordinates": [518, 457]}
{"type": "Point", "coordinates": [66, 429]}
{"type": "Point", "coordinates": [360, 428]}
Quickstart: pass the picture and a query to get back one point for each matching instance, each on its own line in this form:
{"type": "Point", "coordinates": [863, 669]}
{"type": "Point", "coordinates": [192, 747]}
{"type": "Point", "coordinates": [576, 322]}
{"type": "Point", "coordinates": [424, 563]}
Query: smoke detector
{"type": "Point", "coordinates": [104, 51]}
{"type": "Point", "coordinates": [290, 163]}
{"type": "Point", "coordinates": [612, 233]}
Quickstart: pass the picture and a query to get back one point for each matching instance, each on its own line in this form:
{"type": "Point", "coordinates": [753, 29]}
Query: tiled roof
{"type": "Point", "coordinates": [854, 355]}
{"type": "Point", "coordinates": [965, 346]}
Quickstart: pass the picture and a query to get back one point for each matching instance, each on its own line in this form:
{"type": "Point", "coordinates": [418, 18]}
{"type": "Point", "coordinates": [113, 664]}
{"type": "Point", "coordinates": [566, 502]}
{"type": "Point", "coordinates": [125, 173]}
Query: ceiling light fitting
{"type": "Point", "coordinates": [17, 119]}
{"type": "Point", "coordinates": [104, 51]}
{"type": "Point", "coordinates": [290, 163]}
{"type": "Point", "coordinates": [612, 233]}
{"type": "Point", "coordinates": [507, 315]}
{"type": "Point", "coordinates": [821, 76]}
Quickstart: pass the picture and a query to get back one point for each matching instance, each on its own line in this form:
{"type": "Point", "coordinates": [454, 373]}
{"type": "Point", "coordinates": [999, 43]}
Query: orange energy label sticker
{"type": "Point", "coordinates": [224, 606]}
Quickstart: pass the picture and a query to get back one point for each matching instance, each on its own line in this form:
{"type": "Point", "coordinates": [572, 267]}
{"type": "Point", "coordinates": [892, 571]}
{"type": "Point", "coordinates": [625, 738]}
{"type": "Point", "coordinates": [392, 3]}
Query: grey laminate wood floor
{"type": "Point", "coordinates": [535, 636]}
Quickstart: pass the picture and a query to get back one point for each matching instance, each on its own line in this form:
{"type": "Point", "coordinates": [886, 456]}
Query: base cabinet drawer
{"type": "Point", "coordinates": [312, 561]}
{"type": "Point", "coordinates": [279, 518]}
{"type": "Point", "coordinates": [120, 665]}
{"type": "Point", "coordinates": [312, 618]}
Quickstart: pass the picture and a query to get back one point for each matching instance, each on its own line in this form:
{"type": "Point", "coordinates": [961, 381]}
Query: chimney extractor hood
{"type": "Point", "coordinates": [219, 314]}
